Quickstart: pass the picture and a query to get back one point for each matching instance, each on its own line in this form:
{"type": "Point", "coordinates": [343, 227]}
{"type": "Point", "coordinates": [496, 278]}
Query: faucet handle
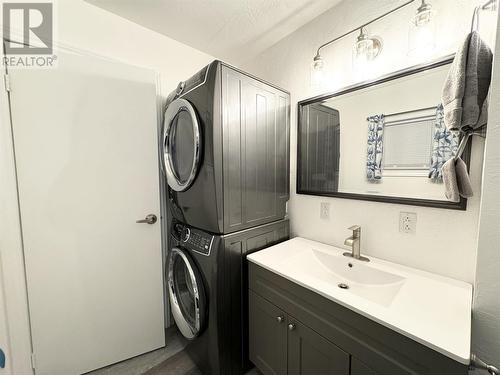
{"type": "Point", "coordinates": [355, 228]}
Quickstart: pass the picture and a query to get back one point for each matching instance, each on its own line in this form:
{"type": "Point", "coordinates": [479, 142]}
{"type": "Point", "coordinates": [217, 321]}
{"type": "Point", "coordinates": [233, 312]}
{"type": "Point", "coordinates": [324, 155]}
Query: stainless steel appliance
{"type": "Point", "coordinates": [225, 153]}
{"type": "Point", "coordinates": [225, 150]}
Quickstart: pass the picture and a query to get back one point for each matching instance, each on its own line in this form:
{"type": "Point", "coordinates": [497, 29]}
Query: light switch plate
{"type": "Point", "coordinates": [324, 211]}
{"type": "Point", "coordinates": [408, 222]}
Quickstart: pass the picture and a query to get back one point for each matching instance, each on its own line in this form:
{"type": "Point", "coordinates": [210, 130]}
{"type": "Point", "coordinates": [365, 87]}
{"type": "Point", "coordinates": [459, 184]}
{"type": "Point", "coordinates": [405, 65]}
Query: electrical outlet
{"type": "Point", "coordinates": [324, 211]}
{"type": "Point", "coordinates": [408, 222]}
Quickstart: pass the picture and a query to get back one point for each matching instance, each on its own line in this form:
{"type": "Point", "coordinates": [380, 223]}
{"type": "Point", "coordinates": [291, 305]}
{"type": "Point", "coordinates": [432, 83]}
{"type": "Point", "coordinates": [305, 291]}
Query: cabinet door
{"type": "Point", "coordinates": [267, 341]}
{"type": "Point", "coordinates": [359, 368]}
{"type": "Point", "coordinates": [255, 151]}
{"type": "Point", "coordinates": [311, 354]}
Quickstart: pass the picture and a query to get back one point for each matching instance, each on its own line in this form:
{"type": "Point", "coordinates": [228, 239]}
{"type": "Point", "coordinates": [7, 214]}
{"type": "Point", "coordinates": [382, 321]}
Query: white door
{"type": "Point", "coordinates": [85, 136]}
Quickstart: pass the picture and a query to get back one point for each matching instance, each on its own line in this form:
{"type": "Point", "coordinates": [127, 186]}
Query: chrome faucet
{"type": "Point", "coordinates": [355, 242]}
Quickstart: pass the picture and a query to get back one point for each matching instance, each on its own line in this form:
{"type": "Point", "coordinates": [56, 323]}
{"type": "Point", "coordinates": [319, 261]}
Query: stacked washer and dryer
{"type": "Point", "coordinates": [225, 151]}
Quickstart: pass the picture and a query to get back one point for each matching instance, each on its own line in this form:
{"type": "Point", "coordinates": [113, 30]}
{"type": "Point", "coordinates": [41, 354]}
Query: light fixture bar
{"type": "Point", "coordinates": [488, 3]}
{"type": "Point", "coordinates": [366, 24]}
{"type": "Point", "coordinates": [475, 16]}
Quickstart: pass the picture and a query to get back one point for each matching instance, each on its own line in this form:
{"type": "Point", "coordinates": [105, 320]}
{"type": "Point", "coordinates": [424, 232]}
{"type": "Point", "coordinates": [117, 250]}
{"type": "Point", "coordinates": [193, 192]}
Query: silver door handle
{"type": "Point", "coordinates": [150, 219]}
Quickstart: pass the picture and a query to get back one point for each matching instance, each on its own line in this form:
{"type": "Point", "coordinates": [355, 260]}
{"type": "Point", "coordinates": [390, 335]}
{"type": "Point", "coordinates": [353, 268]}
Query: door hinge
{"type": "Point", "coordinates": [6, 81]}
{"type": "Point", "coordinates": [33, 361]}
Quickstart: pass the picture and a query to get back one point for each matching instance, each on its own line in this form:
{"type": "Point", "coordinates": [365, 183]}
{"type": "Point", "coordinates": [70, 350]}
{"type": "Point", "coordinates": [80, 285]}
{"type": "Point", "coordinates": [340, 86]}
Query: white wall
{"type": "Point", "coordinates": [445, 242]}
{"type": "Point", "coordinates": [84, 27]}
{"type": "Point", "coordinates": [486, 318]}
{"type": "Point", "coordinates": [91, 28]}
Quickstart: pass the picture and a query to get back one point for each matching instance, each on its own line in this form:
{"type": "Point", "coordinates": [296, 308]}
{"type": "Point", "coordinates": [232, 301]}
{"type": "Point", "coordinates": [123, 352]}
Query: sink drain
{"type": "Point", "coordinates": [343, 286]}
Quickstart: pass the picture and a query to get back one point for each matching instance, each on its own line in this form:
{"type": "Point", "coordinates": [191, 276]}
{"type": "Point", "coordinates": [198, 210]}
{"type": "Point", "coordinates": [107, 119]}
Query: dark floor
{"type": "Point", "coordinates": [170, 360]}
{"type": "Point", "coordinates": [181, 364]}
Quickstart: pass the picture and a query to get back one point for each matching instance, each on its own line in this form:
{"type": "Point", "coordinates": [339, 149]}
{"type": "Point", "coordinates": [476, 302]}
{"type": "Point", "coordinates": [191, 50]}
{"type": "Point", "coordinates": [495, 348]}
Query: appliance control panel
{"type": "Point", "coordinates": [193, 238]}
{"type": "Point", "coordinates": [196, 80]}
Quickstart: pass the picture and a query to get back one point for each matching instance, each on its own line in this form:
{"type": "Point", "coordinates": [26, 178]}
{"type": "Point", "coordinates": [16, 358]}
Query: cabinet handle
{"type": "Point", "coordinates": [280, 319]}
{"type": "Point", "coordinates": [291, 326]}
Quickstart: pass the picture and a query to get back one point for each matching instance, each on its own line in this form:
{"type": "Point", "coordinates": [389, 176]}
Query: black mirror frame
{"type": "Point", "coordinates": [461, 205]}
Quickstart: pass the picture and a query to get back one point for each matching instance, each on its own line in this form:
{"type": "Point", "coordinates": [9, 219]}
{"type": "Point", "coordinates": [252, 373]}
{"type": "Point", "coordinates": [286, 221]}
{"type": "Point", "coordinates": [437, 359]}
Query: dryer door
{"type": "Point", "coordinates": [186, 292]}
{"type": "Point", "coordinates": [181, 144]}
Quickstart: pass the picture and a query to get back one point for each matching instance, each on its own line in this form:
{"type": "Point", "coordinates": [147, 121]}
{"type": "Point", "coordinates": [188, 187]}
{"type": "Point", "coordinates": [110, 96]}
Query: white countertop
{"type": "Point", "coordinates": [430, 309]}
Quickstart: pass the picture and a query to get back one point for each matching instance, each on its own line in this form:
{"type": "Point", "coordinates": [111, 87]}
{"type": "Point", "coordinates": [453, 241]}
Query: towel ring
{"type": "Point", "coordinates": [464, 140]}
{"type": "Point", "coordinates": [462, 145]}
{"type": "Point", "coordinates": [490, 5]}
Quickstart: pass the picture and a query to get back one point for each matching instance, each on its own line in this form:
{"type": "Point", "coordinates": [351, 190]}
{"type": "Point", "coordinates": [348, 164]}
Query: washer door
{"type": "Point", "coordinates": [181, 144]}
{"type": "Point", "coordinates": [186, 292]}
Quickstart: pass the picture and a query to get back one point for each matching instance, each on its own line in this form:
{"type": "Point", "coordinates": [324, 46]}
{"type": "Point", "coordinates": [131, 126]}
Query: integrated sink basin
{"type": "Point", "coordinates": [430, 309]}
{"type": "Point", "coordinates": [355, 277]}
{"type": "Point", "coordinates": [329, 269]}
{"type": "Point", "coordinates": [350, 270]}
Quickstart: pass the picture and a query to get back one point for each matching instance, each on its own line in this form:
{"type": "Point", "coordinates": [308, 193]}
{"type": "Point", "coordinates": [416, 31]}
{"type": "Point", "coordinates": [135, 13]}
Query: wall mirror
{"type": "Point", "coordinates": [383, 140]}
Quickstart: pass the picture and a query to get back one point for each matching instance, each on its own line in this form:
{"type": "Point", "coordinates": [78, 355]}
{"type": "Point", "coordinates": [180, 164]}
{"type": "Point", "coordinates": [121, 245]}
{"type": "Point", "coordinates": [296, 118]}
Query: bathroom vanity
{"type": "Point", "coordinates": [314, 311]}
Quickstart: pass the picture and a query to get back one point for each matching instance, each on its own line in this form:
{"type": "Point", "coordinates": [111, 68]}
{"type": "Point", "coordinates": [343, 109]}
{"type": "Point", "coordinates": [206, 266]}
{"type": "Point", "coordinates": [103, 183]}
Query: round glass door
{"type": "Point", "coordinates": [186, 292]}
{"type": "Point", "coordinates": [181, 144]}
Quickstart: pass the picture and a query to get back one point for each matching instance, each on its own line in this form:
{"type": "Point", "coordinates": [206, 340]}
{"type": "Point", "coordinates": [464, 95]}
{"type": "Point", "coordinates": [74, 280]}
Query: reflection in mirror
{"type": "Point", "coordinates": [382, 139]}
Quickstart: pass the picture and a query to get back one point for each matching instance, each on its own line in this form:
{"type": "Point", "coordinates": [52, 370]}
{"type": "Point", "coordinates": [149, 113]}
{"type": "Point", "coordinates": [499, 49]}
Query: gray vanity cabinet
{"type": "Point", "coordinates": [255, 151]}
{"type": "Point", "coordinates": [326, 338]}
{"type": "Point", "coordinates": [280, 344]}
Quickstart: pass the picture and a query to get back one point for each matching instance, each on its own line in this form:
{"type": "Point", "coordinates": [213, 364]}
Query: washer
{"type": "Point", "coordinates": [194, 264]}
{"type": "Point", "coordinates": [206, 278]}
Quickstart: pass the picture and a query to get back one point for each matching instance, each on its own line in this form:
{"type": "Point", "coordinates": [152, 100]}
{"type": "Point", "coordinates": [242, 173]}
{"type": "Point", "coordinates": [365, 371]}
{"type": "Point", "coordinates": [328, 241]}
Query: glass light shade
{"type": "Point", "coordinates": [317, 72]}
{"type": "Point", "coordinates": [365, 50]}
{"type": "Point", "coordinates": [422, 39]}
{"type": "Point", "coordinates": [422, 32]}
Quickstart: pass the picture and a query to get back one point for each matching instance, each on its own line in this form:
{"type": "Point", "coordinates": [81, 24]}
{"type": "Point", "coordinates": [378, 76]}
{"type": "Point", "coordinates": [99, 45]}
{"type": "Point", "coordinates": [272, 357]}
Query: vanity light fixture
{"type": "Point", "coordinates": [366, 48]}
{"type": "Point", "coordinates": [421, 35]}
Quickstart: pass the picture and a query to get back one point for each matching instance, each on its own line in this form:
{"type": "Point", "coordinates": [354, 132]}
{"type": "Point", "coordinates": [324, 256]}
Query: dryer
{"type": "Point", "coordinates": [225, 150]}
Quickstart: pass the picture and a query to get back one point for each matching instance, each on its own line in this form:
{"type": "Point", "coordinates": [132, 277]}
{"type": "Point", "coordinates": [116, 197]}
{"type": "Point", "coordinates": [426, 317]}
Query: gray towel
{"type": "Point", "coordinates": [463, 179]}
{"type": "Point", "coordinates": [450, 181]}
{"type": "Point", "coordinates": [466, 86]}
{"type": "Point", "coordinates": [456, 180]}
{"type": "Point", "coordinates": [465, 103]}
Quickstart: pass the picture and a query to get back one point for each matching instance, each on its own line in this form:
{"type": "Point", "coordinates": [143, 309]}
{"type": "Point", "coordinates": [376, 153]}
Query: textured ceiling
{"type": "Point", "coordinates": [233, 30]}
